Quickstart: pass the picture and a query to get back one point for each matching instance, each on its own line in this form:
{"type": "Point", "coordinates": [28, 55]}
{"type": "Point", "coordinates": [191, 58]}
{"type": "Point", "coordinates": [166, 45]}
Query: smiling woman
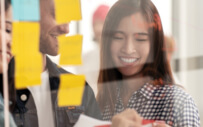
{"type": "Point", "coordinates": [8, 39]}
{"type": "Point", "coordinates": [8, 32]}
{"type": "Point", "coordinates": [134, 70]}
{"type": "Point", "coordinates": [130, 45]}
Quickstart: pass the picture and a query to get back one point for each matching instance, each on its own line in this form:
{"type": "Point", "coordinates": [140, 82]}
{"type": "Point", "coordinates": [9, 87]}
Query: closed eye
{"type": "Point", "coordinates": [141, 37]}
{"type": "Point", "coordinates": [8, 31]}
{"type": "Point", "coordinates": [118, 35]}
{"type": "Point", "coordinates": [8, 27]}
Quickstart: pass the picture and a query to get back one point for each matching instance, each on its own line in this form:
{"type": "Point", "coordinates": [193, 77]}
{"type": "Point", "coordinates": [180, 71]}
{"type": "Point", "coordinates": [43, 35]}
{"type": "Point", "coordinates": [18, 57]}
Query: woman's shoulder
{"type": "Point", "coordinates": [176, 98]}
{"type": "Point", "coordinates": [172, 92]}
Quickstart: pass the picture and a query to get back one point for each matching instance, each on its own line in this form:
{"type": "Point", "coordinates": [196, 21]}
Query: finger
{"type": "Point", "coordinates": [133, 124]}
{"type": "Point", "coordinates": [132, 114]}
{"type": "Point", "coordinates": [158, 124]}
{"type": "Point", "coordinates": [124, 123]}
{"type": "Point", "coordinates": [160, 121]}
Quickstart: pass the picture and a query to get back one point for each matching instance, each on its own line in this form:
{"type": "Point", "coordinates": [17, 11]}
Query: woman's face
{"type": "Point", "coordinates": [8, 34]}
{"type": "Point", "coordinates": [130, 45]}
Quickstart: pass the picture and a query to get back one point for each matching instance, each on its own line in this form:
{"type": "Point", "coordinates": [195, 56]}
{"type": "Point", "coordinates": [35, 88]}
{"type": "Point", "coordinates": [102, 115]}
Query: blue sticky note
{"type": "Point", "coordinates": [26, 10]}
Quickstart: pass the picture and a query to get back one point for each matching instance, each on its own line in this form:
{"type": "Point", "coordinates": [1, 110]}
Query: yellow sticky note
{"type": "Point", "coordinates": [70, 49]}
{"type": "Point", "coordinates": [71, 90]}
{"type": "Point", "coordinates": [67, 10]}
{"type": "Point", "coordinates": [28, 59]}
{"type": "Point", "coordinates": [27, 71]}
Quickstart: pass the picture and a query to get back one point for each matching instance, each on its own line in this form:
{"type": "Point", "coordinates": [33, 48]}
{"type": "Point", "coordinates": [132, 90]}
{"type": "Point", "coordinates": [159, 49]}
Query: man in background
{"type": "Point", "coordinates": [38, 105]}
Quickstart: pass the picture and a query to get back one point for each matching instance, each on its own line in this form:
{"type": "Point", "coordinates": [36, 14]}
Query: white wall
{"type": "Point", "coordinates": [164, 7]}
{"type": "Point", "coordinates": [188, 30]}
{"type": "Point", "coordinates": [88, 8]}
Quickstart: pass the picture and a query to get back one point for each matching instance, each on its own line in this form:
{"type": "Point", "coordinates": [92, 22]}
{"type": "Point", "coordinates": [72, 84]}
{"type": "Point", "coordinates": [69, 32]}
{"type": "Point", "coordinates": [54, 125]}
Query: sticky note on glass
{"type": "Point", "coordinates": [27, 71]}
{"type": "Point", "coordinates": [26, 10]}
{"type": "Point", "coordinates": [71, 90]}
{"type": "Point", "coordinates": [70, 49]}
{"type": "Point", "coordinates": [67, 10]}
{"type": "Point", "coordinates": [28, 59]}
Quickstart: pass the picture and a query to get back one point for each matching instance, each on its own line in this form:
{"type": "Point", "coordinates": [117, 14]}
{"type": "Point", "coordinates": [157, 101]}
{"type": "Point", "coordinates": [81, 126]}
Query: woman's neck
{"type": "Point", "coordinates": [130, 85]}
{"type": "Point", "coordinates": [134, 83]}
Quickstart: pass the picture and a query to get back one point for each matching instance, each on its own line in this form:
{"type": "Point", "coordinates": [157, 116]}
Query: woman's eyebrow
{"type": "Point", "coordinates": [118, 32]}
{"type": "Point", "coordinates": [9, 22]}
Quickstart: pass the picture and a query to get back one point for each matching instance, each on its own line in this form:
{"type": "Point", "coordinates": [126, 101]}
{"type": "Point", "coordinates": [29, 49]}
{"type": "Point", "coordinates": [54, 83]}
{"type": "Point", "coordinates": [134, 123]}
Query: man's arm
{"type": "Point", "coordinates": [90, 103]}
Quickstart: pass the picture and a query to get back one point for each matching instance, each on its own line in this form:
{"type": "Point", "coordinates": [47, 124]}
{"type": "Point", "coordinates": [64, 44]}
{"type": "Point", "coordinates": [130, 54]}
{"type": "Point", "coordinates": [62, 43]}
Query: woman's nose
{"type": "Point", "coordinates": [129, 47]}
{"type": "Point", "coordinates": [8, 41]}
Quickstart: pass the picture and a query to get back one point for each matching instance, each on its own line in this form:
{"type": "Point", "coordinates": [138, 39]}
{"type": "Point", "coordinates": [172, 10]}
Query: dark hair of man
{"type": "Point", "coordinates": [158, 68]}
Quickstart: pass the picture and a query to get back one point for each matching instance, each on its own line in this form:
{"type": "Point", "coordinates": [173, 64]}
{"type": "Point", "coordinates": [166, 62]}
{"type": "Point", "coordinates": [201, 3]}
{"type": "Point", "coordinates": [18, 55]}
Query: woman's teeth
{"type": "Point", "coordinates": [128, 60]}
{"type": "Point", "coordinates": [8, 56]}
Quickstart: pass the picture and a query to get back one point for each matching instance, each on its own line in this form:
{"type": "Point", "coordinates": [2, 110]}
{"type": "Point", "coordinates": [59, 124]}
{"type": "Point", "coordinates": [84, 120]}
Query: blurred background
{"type": "Point", "coordinates": [183, 26]}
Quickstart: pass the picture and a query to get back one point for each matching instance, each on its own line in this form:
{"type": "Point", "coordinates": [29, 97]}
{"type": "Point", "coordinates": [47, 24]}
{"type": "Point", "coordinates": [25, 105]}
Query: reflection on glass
{"type": "Point", "coordinates": [135, 71]}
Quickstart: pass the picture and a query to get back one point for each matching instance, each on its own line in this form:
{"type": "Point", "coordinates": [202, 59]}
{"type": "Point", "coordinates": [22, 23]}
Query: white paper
{"type": "Point", "coordinates": [85, 121]}
{"type": "Point", "coordinates": [148, 125]}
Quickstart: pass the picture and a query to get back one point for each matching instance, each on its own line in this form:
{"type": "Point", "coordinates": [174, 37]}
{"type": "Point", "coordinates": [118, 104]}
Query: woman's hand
{"type": "Point", "coordinates": [160, 124]}
{"type": "Point", "coordinates": [127, 118]}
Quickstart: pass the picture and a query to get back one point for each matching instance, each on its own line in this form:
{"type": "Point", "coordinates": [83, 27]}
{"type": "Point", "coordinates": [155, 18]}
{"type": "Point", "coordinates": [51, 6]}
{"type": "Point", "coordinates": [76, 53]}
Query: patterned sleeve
{"type": "Point", "coordinates": [188, 115]}
{"type": "Point", "coordinates": [91, 107]}
{"type": "Point", "coordinates": [11, 121]}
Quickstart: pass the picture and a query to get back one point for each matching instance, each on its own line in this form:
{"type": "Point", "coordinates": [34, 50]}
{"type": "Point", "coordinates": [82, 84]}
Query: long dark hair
{"type": "Point", "coordinates": [158, 69]}
{"type": "Point", "coordinates": [7, 4]}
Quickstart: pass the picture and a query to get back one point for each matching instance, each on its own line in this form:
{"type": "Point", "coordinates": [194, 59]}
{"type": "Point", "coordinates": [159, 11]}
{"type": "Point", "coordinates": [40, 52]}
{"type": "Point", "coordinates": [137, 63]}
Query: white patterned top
{"type": "Point", "coordinates": [169, 103]}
